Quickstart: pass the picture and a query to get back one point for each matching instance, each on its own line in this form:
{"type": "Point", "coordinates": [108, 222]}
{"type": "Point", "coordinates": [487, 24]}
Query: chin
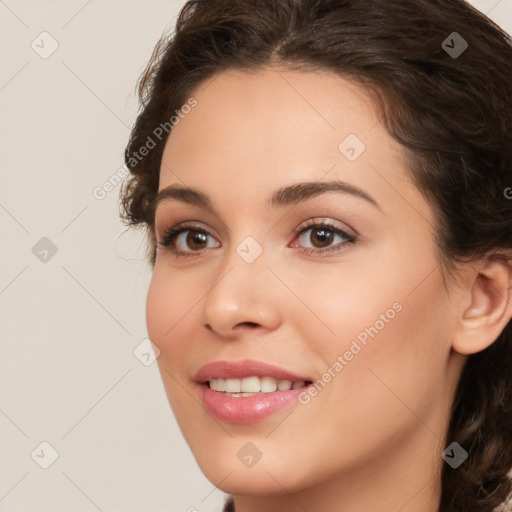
{"type": "Point", "coordinates": [269, 476]}
{"type": "Point", "coordinates": [253, 482]}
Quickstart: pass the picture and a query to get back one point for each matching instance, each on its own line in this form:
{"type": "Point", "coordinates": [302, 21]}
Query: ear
{"type": "Point", "coordinates": [489, 292]}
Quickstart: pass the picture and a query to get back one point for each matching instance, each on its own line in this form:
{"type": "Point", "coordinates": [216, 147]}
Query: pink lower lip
{"type": "Point", "coordinates": [247, 409]}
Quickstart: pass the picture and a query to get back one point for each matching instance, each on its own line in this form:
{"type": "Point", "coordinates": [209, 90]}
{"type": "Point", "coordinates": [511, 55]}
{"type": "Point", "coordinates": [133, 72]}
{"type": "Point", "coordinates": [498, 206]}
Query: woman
{"type": "Point", "coordinates": [326, 191]}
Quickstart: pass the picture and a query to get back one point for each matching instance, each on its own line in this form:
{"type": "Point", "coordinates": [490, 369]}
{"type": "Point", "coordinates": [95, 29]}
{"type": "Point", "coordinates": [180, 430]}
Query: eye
{"type": "Point", "coordinates": [322, 235]}
{"type": "Point", "coordinates": [190, 240]}
{"type": "Point", "coordinates": [184, 237]}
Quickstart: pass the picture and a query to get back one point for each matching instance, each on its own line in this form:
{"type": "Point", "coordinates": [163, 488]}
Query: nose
{"type": "Point", "coordinates": [244, 297]}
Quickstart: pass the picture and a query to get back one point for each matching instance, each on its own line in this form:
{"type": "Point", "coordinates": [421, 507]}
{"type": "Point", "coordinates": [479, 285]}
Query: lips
{"type": "Point", "coordinates": [228, 389]}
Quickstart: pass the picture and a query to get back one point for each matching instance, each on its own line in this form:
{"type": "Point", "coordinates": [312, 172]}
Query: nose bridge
{"type": "Point", "coordinates": [246, 259]}
{"type": "Point", "coordinates": [242, 273]}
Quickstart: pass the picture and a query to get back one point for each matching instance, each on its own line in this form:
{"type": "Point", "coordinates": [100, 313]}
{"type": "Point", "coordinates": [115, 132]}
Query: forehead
{"type": "Point", "coordinates": [251, 133]}
{"type": "Point", "coordinates": [272, 115]}
{"type": "Point", "coordinates": [277, 107]}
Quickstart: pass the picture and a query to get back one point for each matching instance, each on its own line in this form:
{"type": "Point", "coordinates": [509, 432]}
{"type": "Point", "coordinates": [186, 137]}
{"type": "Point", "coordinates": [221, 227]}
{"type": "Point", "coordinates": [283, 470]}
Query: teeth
{"type": "Point", "coordinates": [250, 385]}
{"type": "Point", "coordinates": [233, 386]}
{"type": "Point", "coordinates": [253, 385]}
{"type": "Point", "coordinates": [218, 384]}
{"type": "Point", "coordinates": [284, 385]}
{"type": "Point", "coordinates": [268, 384]}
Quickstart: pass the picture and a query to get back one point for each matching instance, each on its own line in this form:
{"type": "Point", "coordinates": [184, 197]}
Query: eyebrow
{"type": "Point", "coordinates": [288, 195]}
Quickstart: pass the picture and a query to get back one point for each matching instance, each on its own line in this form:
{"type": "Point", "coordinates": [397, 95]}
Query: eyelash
{"type": "Point", "coordinates": [171, 234]}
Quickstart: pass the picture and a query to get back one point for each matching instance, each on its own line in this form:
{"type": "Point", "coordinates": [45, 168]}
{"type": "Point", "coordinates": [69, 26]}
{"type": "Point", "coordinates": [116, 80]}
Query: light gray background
{"type": "Point", "coordinates": [69, 326]}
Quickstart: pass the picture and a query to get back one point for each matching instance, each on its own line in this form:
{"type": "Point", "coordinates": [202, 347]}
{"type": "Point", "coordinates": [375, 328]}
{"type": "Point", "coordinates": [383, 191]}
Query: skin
{"type": "Point", "coordinates": [372, 438]}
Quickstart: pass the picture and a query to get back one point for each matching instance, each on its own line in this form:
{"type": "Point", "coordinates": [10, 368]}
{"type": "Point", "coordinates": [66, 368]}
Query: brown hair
{"type": "Point", "coordinates": [452, 114]}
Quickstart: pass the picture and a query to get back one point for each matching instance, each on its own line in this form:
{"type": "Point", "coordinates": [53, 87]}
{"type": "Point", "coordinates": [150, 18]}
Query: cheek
{"type": "Point", "coordinates": [388, 322]}
{"type": "Point", "coordinates": [170, 299]}
{"type": "Point", "coordinates": [338, 305]}
{"type": "Point", "coordinates": [169, 309]}
{"type": "Point", "coordinates": [169, 313]}
{"type": "Point", "coordinates": [159, 309]}
{"type": "Point", "coordinates": [393, 383]}
{"type": "Point", "coordinates": [398, 358]}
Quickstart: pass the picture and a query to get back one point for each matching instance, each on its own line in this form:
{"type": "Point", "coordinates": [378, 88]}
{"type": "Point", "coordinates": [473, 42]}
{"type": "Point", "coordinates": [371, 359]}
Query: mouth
{"type": "Point", "coordinates": [248, 391]}
{"type": "Point", "coordinates": [253, 385]}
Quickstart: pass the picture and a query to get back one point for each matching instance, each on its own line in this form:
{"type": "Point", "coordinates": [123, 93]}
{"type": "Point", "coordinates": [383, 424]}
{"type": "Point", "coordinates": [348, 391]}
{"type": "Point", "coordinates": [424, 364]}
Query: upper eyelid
{"type": "Point", "coordinates": [168, 225]}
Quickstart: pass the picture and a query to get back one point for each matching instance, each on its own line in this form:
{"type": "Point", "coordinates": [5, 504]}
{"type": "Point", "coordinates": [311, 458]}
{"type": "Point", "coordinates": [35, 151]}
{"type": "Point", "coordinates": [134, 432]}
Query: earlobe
{"type": "Point", "coordinates": [490, 308]}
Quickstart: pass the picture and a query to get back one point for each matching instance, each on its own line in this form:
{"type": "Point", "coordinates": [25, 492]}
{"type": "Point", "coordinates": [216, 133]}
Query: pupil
{"type": "Point", "coordinates": [196, 238]}
{"type": "Point", "coordinates": [323, 236]}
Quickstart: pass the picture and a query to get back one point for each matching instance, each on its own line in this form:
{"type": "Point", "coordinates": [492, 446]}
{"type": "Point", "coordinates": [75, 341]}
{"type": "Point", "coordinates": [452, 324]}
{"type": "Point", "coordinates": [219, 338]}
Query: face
{"type": "Point", "coordinates": [311, 251]}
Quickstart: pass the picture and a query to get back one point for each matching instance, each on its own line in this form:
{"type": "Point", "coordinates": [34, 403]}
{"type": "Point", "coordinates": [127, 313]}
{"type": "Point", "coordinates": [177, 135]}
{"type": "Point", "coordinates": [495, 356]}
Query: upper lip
{"type": "Point", "coordinates": [245, 368]}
